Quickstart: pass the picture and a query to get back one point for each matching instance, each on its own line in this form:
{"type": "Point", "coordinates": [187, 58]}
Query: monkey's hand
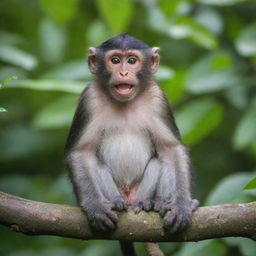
{"type": "Point", "coordinates": [100, 216]}
{"type": "Point", "coordinates": [145, 205]}
{"type": "Point", "coordinates": [119, 204]}
{"type": "Point", "coordinates": [177, 214]}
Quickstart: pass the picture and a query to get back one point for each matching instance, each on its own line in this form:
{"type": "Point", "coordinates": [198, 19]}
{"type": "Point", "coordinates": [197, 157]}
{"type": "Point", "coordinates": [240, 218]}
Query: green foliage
{"type": "Point", "coordinates": [229, 190]}
{"type": "Point", "coordinates": [6, 80]}
{"type": "Point", "coordinates": [208, 57]}
{"type": "Point", "coordinates": [117, 14]}
{"type": "Point", "coordinates": [198, 118]}
{"type": "Point", "coordinates": [17, 57]}
{"type": "Point", "coordinates": [57, 114]}
{"type": "Point", "coordinates": [209, 248]}
{"type": "Point", "coordinates": [3, 109]}
{"type": "Point", "coordinates": [49, 85]}
{"type": "Point", "coordinates": [60, 10]}
{"type": "Point", "coordinates": [251, 184]}
{"type": "Point", "coordinates": [212, 73]}
{"type": "Point", "coordinates": [52, 41]}
{"type": "Point", "coordinates": [245, 131]}
{"type": "Point", "coordinates": [246, 41]}
{"type": "Point", "coordinates": [222, 2]}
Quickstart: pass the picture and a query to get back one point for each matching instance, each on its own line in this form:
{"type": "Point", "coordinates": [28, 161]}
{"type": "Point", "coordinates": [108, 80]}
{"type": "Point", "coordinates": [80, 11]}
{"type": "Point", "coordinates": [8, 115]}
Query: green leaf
{"type": "Point", "coordinates": [73, 70]}
{"type": "Point", "coordinates": [246, 246]}
{"type": "Point", "coordinates": [8, 38]}
{"type": "Point", "coordinates": [202, 248]}
{"type": "Point", "coordinates": [245, 130]}
{"type": "Point", "coordinates": [228, 190]}
{"type": "Point", "coordinates": [2, 110]}
{"type": "Point", "coordinates": [60, 10]}
{"type": "Point", "coordinates": [52, 41]}
{"type": "Point", "coordinates": [251, 184]}
{"type": "Point", "coordinates": [10, 71]}
{"type": "Point", "coordinates": [209, 18]}
{"type": "Point", "coordinates": [17, 57]}
{"type": "Point", "coordinates": [117, 14]}
{"type": "Point", "coordinates": [57, 114]}
{"type": "Point", "coordinates": [212, 73]}
{"type": "Point", "coordinates": [246, 41]}
{"type": "Point", "coordinates": [186, 27]}
{"type": "Point", "coordinates": [97, 33]}
{"type": "Point", "coordinates": [6, 80]}
{"type": "Point", "coordinates": [164, 73]}
{"type": "Point", "coordinates": [169, 7]}
{"type": "Point", "coordinates": [31, 143]}
{"type": "Point", "coordinates": [49, 85]}
{"type": "Point", "coordinates": [174, 87]}
{"type": "Point", "coordinates": [198, 118]}
{"type": "Point", "coordinates": [222, 2]}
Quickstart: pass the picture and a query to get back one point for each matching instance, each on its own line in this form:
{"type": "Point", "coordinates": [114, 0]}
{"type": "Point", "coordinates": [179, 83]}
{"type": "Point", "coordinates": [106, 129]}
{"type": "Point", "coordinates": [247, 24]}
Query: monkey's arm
{"type": "Point", "coordinates": [173, 196]}
{"type": "Point", "coordinates": [94, 187]}
{"type": "Point", "coordinates": [84, 170]}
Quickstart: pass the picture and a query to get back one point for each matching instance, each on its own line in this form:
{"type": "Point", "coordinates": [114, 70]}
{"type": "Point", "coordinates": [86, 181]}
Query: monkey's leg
{"type": "Point", "coordinates": [88, 187]}
{"type": "Point", "coordinates": [110, 189]}
{"type": "Point", "coordinates": [147, 187]}
{"type": "Point", "coordinates": [173, 197]}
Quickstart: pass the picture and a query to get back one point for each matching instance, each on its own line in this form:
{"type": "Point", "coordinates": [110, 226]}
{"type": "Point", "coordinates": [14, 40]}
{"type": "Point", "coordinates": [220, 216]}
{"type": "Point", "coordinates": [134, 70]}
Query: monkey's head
{"type": "Point", "coordinates": [123, 66]}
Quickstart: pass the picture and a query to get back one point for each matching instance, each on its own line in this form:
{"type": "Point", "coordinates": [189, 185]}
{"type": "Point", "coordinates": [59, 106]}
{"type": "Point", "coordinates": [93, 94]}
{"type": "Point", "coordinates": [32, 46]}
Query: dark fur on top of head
{"type": "Point", "coordinates": [123, 42]}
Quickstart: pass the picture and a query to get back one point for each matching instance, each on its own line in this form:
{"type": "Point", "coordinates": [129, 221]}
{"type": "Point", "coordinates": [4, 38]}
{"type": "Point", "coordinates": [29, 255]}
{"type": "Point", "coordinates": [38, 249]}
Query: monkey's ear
{"type": "Point", "coordinates": [92, 60]}
{"type": "Point", "coordinates": [155, 59]}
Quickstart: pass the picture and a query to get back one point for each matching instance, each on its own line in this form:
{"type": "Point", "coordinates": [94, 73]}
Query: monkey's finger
{"type": "Point", "coordinates": [179, 224]}
{"type": "Point", "coordinates": [194, 204]}
{"type": "Point", "coordinates": [112, 216]}
{"type": "Point", "coordinates": [137, 208]}
{"type": "Point", "coordinates": [169, 220]}
{"type": "Point", "coordinates": [108, 224]}
{"type": "Point", "coordinates": [163, 210]}
{"type": "Point", "coordinates": [119, 206]}
{"type": "Point", "coordinates": [147, 205]}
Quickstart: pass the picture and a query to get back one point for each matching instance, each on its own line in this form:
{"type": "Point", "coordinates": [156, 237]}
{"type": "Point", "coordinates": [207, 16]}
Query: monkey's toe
{"type": "Point", "coordinates": [103, 220]}
{"type": "Point", "coordinates": [119, 204]}
{"type": "Point", "coordinates": [145, 205]}
{"type": "Point", "coordinates": [177, 220]}
{"type": "Point", "coordinates": [194, 204]}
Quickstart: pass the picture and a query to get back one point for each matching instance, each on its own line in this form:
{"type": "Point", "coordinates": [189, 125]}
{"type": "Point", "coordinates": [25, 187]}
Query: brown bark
{"type": "Point", "coordinates": [37, 218]}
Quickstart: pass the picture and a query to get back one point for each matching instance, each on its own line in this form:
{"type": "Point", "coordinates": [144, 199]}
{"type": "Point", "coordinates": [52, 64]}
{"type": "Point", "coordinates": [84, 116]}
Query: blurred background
{"type": "Point", "coordinates": [208, 63]}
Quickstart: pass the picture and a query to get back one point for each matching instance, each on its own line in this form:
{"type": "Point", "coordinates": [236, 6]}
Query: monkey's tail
{"type": "Point", "coordinates": [151, 248]}
{"type": "Point", "coordinates": [127, 248]}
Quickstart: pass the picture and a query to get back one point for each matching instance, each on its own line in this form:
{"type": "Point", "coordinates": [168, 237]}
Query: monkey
{"type": "Point", "coordinates": [124, 148]}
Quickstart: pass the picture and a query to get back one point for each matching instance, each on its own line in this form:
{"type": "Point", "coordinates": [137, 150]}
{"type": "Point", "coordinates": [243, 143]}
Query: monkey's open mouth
{"type": "Point", "coordinates": [124, 89]}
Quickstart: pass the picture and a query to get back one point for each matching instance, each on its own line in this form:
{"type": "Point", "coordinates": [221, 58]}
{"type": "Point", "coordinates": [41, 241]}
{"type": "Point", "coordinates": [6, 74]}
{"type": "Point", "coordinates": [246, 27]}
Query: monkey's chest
{"type": "Point", "coordinates": [126, 153]}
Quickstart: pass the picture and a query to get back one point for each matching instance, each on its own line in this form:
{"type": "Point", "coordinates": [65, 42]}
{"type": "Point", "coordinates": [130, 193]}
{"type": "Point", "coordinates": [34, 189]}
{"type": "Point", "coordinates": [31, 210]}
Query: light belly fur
{"type": "Point", "coordinates": [126, 153]}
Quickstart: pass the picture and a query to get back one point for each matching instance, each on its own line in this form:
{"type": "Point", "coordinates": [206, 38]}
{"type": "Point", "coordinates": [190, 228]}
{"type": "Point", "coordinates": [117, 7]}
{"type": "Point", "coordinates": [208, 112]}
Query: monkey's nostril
{"type": "Point", "coordinates": [124, 73]}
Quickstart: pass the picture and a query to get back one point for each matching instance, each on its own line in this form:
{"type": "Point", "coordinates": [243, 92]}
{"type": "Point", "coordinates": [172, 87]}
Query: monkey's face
{"type": "Point", "coordinates": [123, 73]}
{"type": "Point", "coordinates": [124, 67]}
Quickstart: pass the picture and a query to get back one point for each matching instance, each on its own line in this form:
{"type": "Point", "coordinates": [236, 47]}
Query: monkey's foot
{"type": "Point", "coordinates": [177, 216]}
{"type": "Point", "coordinates": [101, 217]}
{"type": "Point", "coordinates": [194, 204]}
{"type": "Point", "coordinates": [145, 205]}
{"type": "Point", "coordinates": [177, 219]}
{"type": "Point", "coordinates": [119, 204]}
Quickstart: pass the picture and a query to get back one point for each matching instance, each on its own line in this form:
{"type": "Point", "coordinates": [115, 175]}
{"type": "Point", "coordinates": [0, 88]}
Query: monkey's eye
{"type": "Point", "coordinates": [132, 60]}
{"type": "Point", "coordinates": [115, 60]}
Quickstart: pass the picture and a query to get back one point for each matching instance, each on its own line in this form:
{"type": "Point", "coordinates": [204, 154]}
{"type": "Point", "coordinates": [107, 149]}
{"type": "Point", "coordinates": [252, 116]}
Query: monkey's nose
{"type": "Point", "coordinates": [124, 73]}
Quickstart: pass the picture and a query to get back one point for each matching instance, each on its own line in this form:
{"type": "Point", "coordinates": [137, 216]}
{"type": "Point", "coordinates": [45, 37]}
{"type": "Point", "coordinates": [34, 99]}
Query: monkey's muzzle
{"type": "Point", "coordinates": [124, 90]}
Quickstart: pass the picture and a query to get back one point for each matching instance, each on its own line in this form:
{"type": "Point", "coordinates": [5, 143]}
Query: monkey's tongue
{"type": "Point", "coordinates": [124, 89]}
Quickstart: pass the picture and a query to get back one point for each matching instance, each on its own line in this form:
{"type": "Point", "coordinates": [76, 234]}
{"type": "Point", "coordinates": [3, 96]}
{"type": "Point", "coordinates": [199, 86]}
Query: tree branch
{"type": "Point", "coordinates": [37, 218]}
